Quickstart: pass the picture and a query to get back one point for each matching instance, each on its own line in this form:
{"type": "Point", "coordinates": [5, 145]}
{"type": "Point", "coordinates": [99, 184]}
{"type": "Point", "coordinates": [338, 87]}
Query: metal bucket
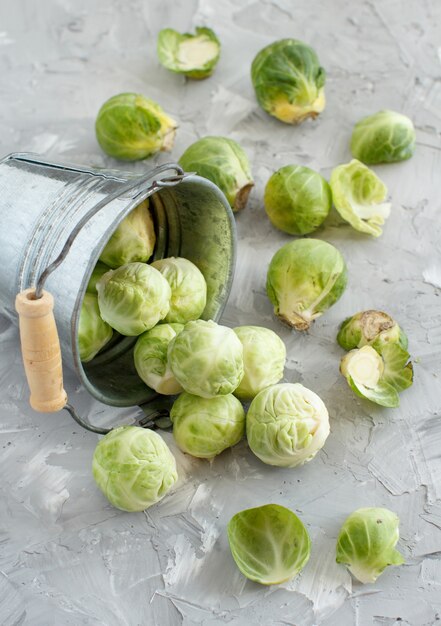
{"type": "Point", "coordinates": [42, 204]}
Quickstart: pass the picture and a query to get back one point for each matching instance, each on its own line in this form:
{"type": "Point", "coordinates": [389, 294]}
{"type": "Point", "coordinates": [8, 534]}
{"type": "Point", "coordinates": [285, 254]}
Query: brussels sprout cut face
{"type": "Point", "coordinates": [366, 543]}
{"type": "Point", "coordinates": [93, 332]}
{"type": "Point", "coordinates": [269, 543]}
{"type": "Point", "coordinates": [289, 81]}
{"type": "Point", "coordinates": [359, 196]}
{"type": "Point", "coordinates": [374, 328]}
{"type": "Point", "coordinates": [287, 424]}
{"type": "Point", "coordinates": [305, 277]}
{"type": "Point", "coordinates": [384, 137]}
{"type": "Point", "coordinates": [151, 362]}
{"type": "Point", "coordinates": [195, 56]}
{"type": "Point", "coordinates": [133, 467]}
{"type": "Point", "coordinates": [297, 199]}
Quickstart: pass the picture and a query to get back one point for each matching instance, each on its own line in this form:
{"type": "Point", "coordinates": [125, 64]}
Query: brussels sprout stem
{"type": "Point", "coordinates": [242, 197]}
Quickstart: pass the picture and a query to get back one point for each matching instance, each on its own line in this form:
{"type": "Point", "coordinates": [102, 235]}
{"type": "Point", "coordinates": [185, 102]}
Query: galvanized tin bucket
{"type": "Point", "coordinates": [45, 207]}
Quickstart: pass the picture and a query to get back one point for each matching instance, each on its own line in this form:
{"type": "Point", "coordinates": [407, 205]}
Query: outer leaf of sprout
{"type": "Point", "coordinates": [93, 332]}
{"type": "Point", "coordinates": [151, 362]}
{"type": "Point", "coordinates": [195, 56]}
{"type": "Point", "coordinates": [384, 137]}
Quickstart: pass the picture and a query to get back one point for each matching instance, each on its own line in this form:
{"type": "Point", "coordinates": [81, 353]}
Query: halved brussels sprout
{"type": "Point", "coordinates": [297, 199]}
{"type": "Point", "coordinates": [133, 241]}
{"type": "Point", "coordinates": [205, 427]}
{"type": "Point", "coordinates": [287, 424]}
{"type": "Point", "coordinates": [384, 137]}
{"type": "Point", "coordinates": [289, 81]}
{"type": "Point", "coordinates": [195, 56]}
{"type": "Point", "coordinates": [373, 328]}
{"type": "Point", "coordinates": [98, 271]}
{"type": "Point", "coordinates": [264, 356]}
{"type": "Point", "coordinates": [366, 543]}
{"type": "Point", "coordinates": [93, 332]}
{"type": "Point", "coordinates": [151, 362]}
{"type": "Point", "coordinates": [133, 298]}
{"type": "Point", "coordinates": [225, 163]}
{"type": "Point", "coordinates": [358, 196]}
{"type": "Point", "coordinates": [188, 289]}
{"type": "Point", "coordinates": [131, 127]}
{"type": "Point", "coordinates": [207, 359]}
{"type": "Point", "coordinates": [133, 467]}
{"type": "Point", "coordinates": [305, 277]}
{"type": "Point", "coordinates": [269, 543]}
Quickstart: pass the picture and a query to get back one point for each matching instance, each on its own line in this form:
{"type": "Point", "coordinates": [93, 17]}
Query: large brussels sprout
{"type": "Point", "coordinates": [297, 199]}
{"type": "Point", "coordinates": [366, 543]}
{"type": "Point", "coordinates": [131, 127]}
{"type": "Point", "coordinates": [384, 137]}
{"type": "Point", "coordinates": [269, 543]}
{"type": "Point", "coordinates": [225, 163]}
{"type": "Point", "coordinates": [93, 332]}
{"type": "Point", "coordinates": [374, 328]}
{"type": "Point", "coordinates": [195, 56]}
{"type": "Point", "coordinates": [359, 196]}
{"type": "Point", "coordinates": [287, 424]}
{"type": "Point", "coordinates": [151, 362]}
{"type": "Point", "coordinates": [133, 467]}
{"type": "Point", "coordinates": [264, 356]}
{"type": "Point", "coordinates": [188, 289]}
{"type": "Point", "coordinates": [133, 298]}
{"type": "Point", "coordinates": [289, 81]}
{"type": "Point", "coordinates": [207, 359]}
{"type": "Point", "coordinates": [205, 427]}
{"type": "Point", "coordinates": [98, 271]}
{"type": "Point", "coordinates": [133, 241]}
{"type": "Point", "coordinates": [305, 277]}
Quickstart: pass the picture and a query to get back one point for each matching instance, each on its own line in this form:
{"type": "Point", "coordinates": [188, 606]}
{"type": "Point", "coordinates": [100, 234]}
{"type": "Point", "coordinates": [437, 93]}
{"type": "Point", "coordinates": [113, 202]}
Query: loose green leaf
{"type": "Point", "coordinates": [194, 56]}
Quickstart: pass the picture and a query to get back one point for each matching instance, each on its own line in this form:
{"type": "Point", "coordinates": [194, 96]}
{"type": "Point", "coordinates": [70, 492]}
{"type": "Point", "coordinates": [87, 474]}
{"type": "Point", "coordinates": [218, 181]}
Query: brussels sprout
{"type": "Point", "coordinates": [195, 56]}
{"type": "Point", "coordinates": [288, 81]}
{"type": "Point", "coordinates": [287, 424]}
{"type": "Point", "coordinates": [305, 277]}
{"type": "Point", "coordinates": [133, 240]}
{"type": "Point", "coordinates": [359, 196]}
{"type": "Point", "coordinates": [264, 356]}
{"type": "Point", "coordinates": [98, 271]}
{"type": "Point", "coordinates": [378, 377]}
{"type": "Point", "coordinates": [384, 137]}
{"type": "Point", "coordinates": [205, 427]}
{"type": "Point", "coordinates": [374, 328]}
{"type": "Point", "coordinates": [130, 127]}
{"type": "Point", "coordinates": [133, 467]}
{"type": "Point", "coordinates": [188, 289]}
{"type": "Point", "coordinates": [366, 543]}
{"type": "Point", "coordinates": [133, 298]}
{"type": "Point", "coordinates": [297, 199]}
{"type": "Point", "coordinates": [222, 161]}
{"type": "Point", "coordinates": [93, 332]}
{"type": "Point", "coordinates": [207, 359]}
{"type": "Point", "coordinates": [269, 543]}
{"type": "Point", "coordinates": [151, 362]}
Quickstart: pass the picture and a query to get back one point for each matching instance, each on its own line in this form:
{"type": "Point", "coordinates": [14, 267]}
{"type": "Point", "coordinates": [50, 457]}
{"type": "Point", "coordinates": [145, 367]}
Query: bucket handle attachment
{"type": "Point", "coordinates": [40, 344]}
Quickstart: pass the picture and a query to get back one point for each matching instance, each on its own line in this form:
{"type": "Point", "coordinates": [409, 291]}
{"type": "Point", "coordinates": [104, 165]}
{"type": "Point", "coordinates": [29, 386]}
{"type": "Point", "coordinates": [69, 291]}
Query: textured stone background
{"type": "Point", "coordinates": [67, 556]}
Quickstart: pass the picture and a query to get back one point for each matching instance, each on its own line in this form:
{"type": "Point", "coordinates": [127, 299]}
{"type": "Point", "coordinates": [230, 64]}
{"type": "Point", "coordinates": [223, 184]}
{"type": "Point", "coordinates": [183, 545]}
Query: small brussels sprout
{"type": "Point", "coordinates": [384, 137]}
{"type": "Point", "coordinates": [98, 271]}
{"type": "Point", "coordinates": [133, 467]}
{"type": "Point", "coordinates": [205, 427]}
{"type": "Point", "coordinates": [133, 241]}
{"type": "Point", "coordinates": [378, 377]}
{"type": "Point", "coordinates": [133, 298]}
{"type": "Point", "coordinates": [195, 56]}
{"type": "Point", "coordinates": [366, 543]}
{"type": "Point", "coordinates": [374, 328]}
{"type": "Point", "coordinates": [289, 81]}
{"type": "Point", "coordinates": [269, 543]}
{"type": "Point", "coordinates": [264, 356]}
{"type": "Point", "coordinates": [305, 277]}
{"type": "Point", "coordinates": [287, 424]}
{"type": "Point", "coordinates": [188, 289]}
{"type": "Point", "coordinates": [207, 359]}
{"type": "Point", "coordinates": [131, 127]}
{"type": "Point", "coordinates": [151, 362]}
{"type": "Point", "coordinates": [358, 196]}
{"type": "Point", "coordinates": [297, 199]}
{"type": "Point", "coordinates": [224, 162]}
{"type": "Point", "coordinates": [93, 332]}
